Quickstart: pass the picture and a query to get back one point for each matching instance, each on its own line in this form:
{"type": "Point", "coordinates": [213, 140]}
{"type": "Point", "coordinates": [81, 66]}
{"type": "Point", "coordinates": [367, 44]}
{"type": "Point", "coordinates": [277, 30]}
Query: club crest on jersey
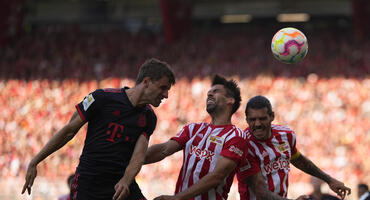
{"type": "Point", "coordinates": [142, 120]}
{"type": "Point", "coordinates": [89, 99]}
{"type": "Point", "coordinates": [216, 139]}
{"type": "Point", "coordinates": [283, 147]}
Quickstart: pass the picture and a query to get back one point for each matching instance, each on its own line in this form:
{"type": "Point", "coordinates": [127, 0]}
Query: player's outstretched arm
{"type": "Point", "coordinates": [223, 167]}
{"type": "Point", "coordinates": [259, 187]}
{"type": "Point", "coordinates": [158, 152]}
{"type": "Point", "coordinates": [306, 165]}
{"type": "Point", "coordinates": [56, 142]}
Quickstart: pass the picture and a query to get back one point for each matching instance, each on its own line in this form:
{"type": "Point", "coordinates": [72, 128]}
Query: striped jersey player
{"type": "Point", "coordinates": [202, 145]}
{"type": "Point", "coordinates": [274, 147]}
{"type": "Point", "coordinates": [212, 151]}
{"type": "Point", "coordinates": [274, 156]}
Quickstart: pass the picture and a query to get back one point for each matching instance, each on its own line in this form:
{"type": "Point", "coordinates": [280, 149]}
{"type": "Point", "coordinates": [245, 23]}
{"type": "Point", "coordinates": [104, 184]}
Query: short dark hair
{"type": "Point", "coordinates": [363, 185]}
{"type": "Point", "coordinates": [155, 69]}
{"type": "Point", "coordinates": [259, 102]}
{"type": "Point", "coordinates": [232, 90]}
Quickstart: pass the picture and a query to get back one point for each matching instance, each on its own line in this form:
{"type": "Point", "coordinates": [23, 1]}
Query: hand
{"type": "Point", "coordinates": [122, 191]}
{"type": "Point", "coordinates": [166, 197]}
{"type": "Point", "coordinates": [304, 197]}
{"type": "Point", "coordinates": [339, 188]}
{"type": "Point", "coordinates": [30, 177]}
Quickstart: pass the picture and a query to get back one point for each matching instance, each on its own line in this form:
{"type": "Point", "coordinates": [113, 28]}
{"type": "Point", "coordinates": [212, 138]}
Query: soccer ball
{"type": "Point", "coordinates": [289, 45]}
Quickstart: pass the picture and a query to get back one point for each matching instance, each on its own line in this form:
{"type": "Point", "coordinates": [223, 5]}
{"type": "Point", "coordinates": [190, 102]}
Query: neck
{"type": "Point", "coordinates": [135, 95]}
{"type": "Point", "coordinates": [220, 119]}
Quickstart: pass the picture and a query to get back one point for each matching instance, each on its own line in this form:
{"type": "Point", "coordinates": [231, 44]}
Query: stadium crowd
{"type": "Point", "coordinates": [325, 99]}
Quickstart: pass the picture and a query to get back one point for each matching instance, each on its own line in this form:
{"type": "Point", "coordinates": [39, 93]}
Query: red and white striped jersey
{"type": "Point", "coordinates": [274, 155]}
{"type": "Point", "coordinates": [203, 144]}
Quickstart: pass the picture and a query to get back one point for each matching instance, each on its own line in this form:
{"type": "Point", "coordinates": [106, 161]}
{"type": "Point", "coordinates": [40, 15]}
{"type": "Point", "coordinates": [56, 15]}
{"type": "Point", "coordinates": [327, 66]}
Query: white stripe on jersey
{"type": "Point", "coordinates": [201, 144]}
{"type": "Point", "coordinates": [277, 170]}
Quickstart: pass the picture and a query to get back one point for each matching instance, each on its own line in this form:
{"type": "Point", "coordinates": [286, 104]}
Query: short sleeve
{"type": "Point", "coordinates": [90, 105]}
{"type": "Point", "coordinates": [182, 136]}
{"type": "Point", "coordinates": [233, 148]}
{"type": "Point", "coordinates": [151, 119]}
{"type": "Point", "coordinates": [292, 140]}
{"type": "Point", "coordinates": [249, 166]}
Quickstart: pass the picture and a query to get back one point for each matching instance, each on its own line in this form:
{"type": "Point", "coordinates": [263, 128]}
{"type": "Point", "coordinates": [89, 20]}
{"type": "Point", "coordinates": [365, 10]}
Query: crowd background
{"type": "Point", "coordinates": [325, 99]}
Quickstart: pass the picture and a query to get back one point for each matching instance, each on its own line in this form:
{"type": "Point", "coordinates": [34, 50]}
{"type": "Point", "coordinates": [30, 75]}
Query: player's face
{"type": "Point", "coordinates": [259, 122]}
{"type": "Point", "coordinates": [216, 98]}
{"type": "Point", "coordinates": [158, 90]}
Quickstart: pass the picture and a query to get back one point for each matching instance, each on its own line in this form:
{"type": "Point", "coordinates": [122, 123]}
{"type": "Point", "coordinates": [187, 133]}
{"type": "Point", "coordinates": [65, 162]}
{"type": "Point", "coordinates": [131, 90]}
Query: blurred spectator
{"type": "Point", "coordinates": [325, 99]}
{"type": "Point", "coordinates": [317, 193]}
{"type": "Point", "coordinates": [69, 183]}
{"type": "Point", "coordinates": [363, 192]}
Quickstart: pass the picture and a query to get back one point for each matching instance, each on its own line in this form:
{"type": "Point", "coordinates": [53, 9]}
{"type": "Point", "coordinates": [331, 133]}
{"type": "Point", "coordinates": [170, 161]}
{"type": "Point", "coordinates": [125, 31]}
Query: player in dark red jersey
{"type": "Point", "coordinates": [120, 122]}
{"type": "Point", "coordinates": [274, 147]}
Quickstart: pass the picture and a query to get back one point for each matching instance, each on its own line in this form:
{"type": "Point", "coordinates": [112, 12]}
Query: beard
{"type": "Point", "coordinates": [211, 108]}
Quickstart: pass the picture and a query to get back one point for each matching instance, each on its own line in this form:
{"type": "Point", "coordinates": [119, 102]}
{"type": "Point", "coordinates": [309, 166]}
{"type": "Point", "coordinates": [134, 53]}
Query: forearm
{"type": "Point", "coordinates": [155, 153]}
{"type": "Point", "coordinates": [56, 142]}
{"type": "Point", "coordinates": [132, 170]}
{"type": "Point", "coordinates": [203, 185]}
{"type": "Point", "coordinates": [309, 167]}
{"type": "Point", "coordinates": [260, 188]}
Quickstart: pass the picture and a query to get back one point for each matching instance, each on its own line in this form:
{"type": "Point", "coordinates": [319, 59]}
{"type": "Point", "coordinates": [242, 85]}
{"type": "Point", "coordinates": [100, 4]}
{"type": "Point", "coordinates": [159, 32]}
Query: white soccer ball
{"type": "Point", "coordinates": [289, 45]}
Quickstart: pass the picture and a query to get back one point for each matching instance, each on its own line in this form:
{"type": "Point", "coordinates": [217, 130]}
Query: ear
{"type": "Point", "coordinates": [230, 100]}
{"type": "Point", "coordinates": [146, 81]}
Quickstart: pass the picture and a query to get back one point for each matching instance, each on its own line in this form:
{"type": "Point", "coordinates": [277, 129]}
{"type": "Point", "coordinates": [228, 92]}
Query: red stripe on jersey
{"type": "Point", "coordinates": [112, 90]}
{"type": "Point", "coordinates": [80, 113]}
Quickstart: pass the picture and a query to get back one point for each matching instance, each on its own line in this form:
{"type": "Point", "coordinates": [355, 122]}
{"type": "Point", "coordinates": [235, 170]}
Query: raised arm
{"type": "Point", "coordinates": [306, 165]}
{"type": "Point", "coordinates": [56, 142]}
{"type": "Point", "coordinates": [158, 152]}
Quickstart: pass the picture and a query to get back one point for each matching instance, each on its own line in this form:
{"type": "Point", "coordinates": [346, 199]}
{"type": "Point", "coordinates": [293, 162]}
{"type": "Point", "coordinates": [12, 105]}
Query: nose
{"type": "Point", "coordinates": [257, 122]}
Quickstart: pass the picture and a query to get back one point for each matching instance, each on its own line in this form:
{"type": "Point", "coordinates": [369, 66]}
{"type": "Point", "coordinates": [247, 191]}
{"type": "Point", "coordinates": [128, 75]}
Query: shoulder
{"type": "Point", "coordinates": [282, 129]}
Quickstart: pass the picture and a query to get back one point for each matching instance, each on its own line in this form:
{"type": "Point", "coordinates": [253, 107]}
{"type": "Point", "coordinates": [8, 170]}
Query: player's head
{"type": "Point", "coordinates": [259, 116]}
{"type": "Point", "coordinates": [362, 189]}
{"type": "Point", "coordinates": [157, 78]}
{"type": "Point", "coordinates": [223, 93]}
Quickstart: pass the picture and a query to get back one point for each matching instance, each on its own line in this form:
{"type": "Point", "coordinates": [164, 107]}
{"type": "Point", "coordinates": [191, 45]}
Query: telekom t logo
{"type": "Point", "coordinates": [115, 131]}
{"type": "Point", "coordinates": [201, 153]}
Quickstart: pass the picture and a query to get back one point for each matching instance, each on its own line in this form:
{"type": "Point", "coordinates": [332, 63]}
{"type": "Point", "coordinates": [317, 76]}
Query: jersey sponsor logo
{"type": "Point", "coordinates": [246, 165]}
{"type": "Point", "coordinates": [89, 99]}
{"type": "Point", "coordinates": [276, 165]}
{"type": "Point", "coordinates": [216, 139]}
{"type": "Point", "coordinates": [235, 149]}
{"type": "Point", "coordinates": [283, 147]}
{"type": "Point", "coordinates": [201, 153]}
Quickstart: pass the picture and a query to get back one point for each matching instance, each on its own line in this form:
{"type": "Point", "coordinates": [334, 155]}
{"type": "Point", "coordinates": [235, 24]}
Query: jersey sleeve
{"type": "Point", "coordinates": [91, 105]}
{"type": "Point", "coordinates": [151, 123]}
{"type": "Point", "coordinates": [292, 142]}
{"type": "Point", "coordinates": [182, 136]}
{"type": "Point", "coordinates": [249, 165]}
{"type": "Point", "coordinates": [234, 146]}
